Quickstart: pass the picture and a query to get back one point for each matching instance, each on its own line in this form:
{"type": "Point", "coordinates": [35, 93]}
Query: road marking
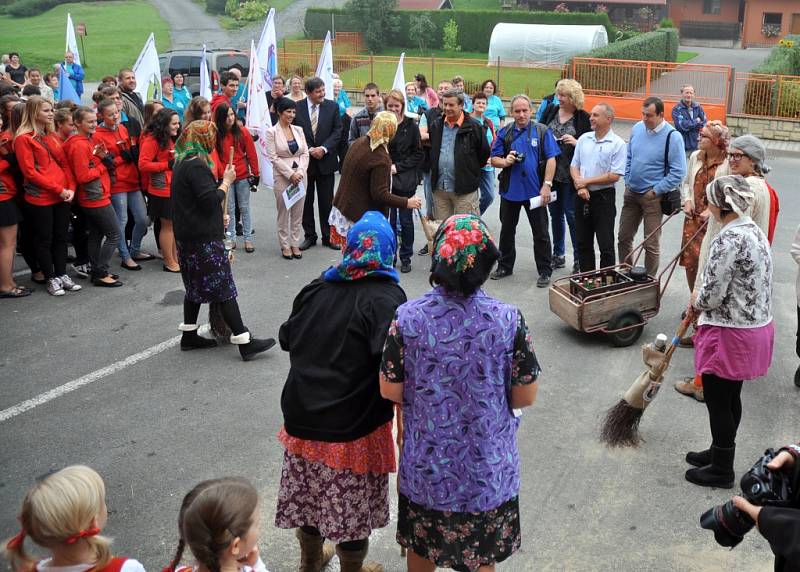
{"type": "Point", "coordinates": [96, 375]}
{"type": "Point", "coordinates": [21, 273]}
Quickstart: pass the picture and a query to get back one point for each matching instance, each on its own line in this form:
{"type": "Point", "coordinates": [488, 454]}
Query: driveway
{"type": "Point", "coordinates": [741, 60]}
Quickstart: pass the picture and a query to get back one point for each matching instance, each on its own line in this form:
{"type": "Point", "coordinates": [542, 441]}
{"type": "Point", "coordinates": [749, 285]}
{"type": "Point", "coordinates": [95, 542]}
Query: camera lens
{"type": "Point", "coordinates": [728, 523]}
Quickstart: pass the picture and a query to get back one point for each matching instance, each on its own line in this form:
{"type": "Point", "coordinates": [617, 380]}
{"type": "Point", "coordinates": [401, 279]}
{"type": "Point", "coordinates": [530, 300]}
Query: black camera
{"type": "Point", "coordinates": [760, 486]}
{"type": "Point", "coordinates": [519, 157]}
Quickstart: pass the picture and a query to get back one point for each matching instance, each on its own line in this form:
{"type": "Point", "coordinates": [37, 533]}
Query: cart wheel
{"type": "Point", "coordinates": [622, 320]}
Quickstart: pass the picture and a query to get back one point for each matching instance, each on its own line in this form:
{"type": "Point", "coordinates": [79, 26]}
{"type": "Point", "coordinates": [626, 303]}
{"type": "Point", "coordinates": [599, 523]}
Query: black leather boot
{"type": "Point", "coordinates": [719, 473]}
{"type": "Point", "coordinates": [191, 340]}
{"type": "Point", "coordinates": [249, 346]}
{"type": "Point", "coordinates": [699, 458]}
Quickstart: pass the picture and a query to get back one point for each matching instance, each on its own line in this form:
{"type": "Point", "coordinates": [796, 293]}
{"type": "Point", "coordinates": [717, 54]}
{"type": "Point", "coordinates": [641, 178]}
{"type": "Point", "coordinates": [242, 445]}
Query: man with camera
{"type": "Point", "coordinates": [772, 488]}
{"type": "Point", "coordinates": [526, 151]}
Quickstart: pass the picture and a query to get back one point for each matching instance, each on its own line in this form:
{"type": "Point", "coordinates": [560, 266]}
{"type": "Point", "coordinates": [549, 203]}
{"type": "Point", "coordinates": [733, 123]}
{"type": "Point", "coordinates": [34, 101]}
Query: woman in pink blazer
{"type": "Point", "coordinates": [288, 153]}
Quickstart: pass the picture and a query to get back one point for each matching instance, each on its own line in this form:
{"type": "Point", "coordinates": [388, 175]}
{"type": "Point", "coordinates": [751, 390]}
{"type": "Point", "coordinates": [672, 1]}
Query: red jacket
{"type": "Point", "coordinates": [126, 174]}
{"type": "Point", "coordinates": [44, 168]}
{"type": "Point", "coordinates": [154, 163]}
{"type": "Point", "coordinates": [8, 186]}
{"type": "Point", "coordinates": [94, 183]}
{"type": "Point", "coordinates": [220, 98]}
{"type": "Point", "coordinates": [244, 153]}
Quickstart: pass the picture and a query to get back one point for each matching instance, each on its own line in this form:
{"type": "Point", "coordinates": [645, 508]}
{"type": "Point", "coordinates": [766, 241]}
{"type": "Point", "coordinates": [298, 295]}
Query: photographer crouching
{"type": "Point", "coordinates": [771, 501]}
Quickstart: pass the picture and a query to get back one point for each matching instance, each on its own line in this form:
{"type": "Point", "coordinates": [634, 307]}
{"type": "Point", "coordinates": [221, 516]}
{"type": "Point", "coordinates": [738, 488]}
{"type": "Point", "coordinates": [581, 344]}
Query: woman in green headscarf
{"type": "Point", "coordinates": [197, 218]}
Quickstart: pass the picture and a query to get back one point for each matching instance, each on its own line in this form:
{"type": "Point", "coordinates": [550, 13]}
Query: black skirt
{"type": "Point", "coordinates": [159, 207]}
{"type": "Point", "coordinates": [9, 213]}
{"type": "Point", "coordinates": [206, 271]}
{"type": "Point", "coordinates": [463, 541]}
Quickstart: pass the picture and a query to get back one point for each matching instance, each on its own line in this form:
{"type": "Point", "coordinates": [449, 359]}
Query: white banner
{"type": "Point", "coordinates": [399, 82]}
{"type": "Point", "coordinates": [258, 119]}
{"type": "Point", "coordinates": [205, 81]}
{"type": "Point", "coordinates": [147, 70]}
{"type": "Point", "coordinates": [325, 66]}
{"type": "Point", "coordinates": [72, 43]}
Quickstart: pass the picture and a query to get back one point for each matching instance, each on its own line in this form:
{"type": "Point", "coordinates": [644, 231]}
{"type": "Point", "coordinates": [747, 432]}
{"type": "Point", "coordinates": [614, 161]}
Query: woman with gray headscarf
{"type": "Point", "coordinates": [735, 334]}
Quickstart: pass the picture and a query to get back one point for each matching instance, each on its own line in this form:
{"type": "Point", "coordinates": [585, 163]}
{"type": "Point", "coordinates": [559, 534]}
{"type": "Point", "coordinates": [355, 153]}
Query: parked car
{"type": "Point", "coordinates": [187, 62]}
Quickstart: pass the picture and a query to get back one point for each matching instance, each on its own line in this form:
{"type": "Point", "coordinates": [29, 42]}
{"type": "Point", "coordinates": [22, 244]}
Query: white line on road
{"type": "Point", "coordinates": [96, 375]}
{"type": "Point", "coordinates": [21, 273]}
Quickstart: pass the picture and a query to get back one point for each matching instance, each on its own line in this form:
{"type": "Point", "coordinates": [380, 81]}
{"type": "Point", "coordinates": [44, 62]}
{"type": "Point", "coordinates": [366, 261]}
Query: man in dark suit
{"type": "Point", "coordinates": [322, 126]}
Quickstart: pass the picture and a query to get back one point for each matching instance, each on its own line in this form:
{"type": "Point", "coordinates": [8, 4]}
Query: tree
{"type": "Point", "coordinates": [450, 36]}
{"type": "Point", "coordinates": [376, 19]}
{"type": "Point", "coordinates": [422, 28]}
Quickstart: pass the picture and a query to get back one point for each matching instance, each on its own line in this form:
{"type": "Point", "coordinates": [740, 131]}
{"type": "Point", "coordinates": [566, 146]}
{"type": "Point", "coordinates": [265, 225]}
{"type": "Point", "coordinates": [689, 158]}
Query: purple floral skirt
{"type": "Point", "coordinates": [463, 541]}
{"type": "Point", "coordinates": [342, 504]}
{"type": "Point", "coordinates": [206, 272]}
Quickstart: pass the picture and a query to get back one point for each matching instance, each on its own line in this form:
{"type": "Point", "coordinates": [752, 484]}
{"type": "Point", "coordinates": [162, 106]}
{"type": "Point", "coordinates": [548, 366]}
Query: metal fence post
{"type": "Point", "coordinates": [371, 68]}
{"type": "Point", "coordinates": [778, 98]}
{"type": "Point", "coordinates": [647, 80]}
{"type": "Point", "coordinates": [731, 89]}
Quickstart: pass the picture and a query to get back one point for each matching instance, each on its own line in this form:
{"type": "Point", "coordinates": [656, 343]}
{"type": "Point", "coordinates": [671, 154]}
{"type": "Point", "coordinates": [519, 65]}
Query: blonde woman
{"type": "Point", "coordinates": [288, 152]}
{"type": "Point", "coordinates": [568, 121]}
{"type": "Point", "coordinates": [296, 92]}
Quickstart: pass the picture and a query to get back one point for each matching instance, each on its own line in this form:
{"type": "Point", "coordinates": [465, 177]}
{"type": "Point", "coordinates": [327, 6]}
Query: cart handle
{"type": "Point", "coordinates": [673, 264]}
{"type": "Point", "coordinates": [636, 253]}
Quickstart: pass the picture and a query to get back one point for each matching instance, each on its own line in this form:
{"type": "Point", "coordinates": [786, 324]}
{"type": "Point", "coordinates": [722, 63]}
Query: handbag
{"type": "Point", "coordinates": [671, 200]}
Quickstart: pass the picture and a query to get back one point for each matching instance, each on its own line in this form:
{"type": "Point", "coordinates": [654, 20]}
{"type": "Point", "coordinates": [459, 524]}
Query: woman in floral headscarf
{"type": "Point", "coordinates": [337, 429]}
{"type": "Point", "coordinates": [460, 362]}
{"type": "Point", "coordinates": [366, 179]}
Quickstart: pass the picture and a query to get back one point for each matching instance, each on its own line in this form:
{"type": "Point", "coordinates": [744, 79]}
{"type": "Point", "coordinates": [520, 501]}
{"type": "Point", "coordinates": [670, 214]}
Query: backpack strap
{"type": "Point", "coordinates": [666, 152]}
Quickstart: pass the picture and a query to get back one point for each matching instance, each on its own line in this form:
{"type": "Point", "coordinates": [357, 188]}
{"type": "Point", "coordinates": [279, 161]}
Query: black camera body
{"type": "Point", "coordinates": [519, 157]}
{"type": "Point", "coordinates": [761, 486]}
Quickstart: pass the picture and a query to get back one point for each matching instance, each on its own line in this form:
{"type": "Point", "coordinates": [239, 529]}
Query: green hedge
{"type": "Point", "coordinates": [215, 6]}
{"type": "Point", "coordinates": [657, 46]}
{"type": "Point", "coordinates": [760, 98]}
{"type": "Point", "coordinates": [474, 26]}
{"type": "Point", "coordinates": [28, 8]}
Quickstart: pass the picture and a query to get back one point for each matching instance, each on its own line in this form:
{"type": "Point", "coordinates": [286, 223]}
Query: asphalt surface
{"type": "Point", "coordinates": [155, 428]}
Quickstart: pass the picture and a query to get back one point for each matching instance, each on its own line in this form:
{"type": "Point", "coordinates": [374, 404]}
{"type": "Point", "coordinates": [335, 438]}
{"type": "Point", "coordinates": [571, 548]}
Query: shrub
{"type": "Point", "coordinates": [376, 19]}
{"type": "Point", "coordinates": [215, 6]}
{"type": "Point", "coordinates": [28, 8]}
{"type": "Point", "coordinates": [761, 98]}
{"type": "Point", "coordinates": [656, 46]}
{"type": "Point", "coordinates": [666, 23]}
{"type": "Point", "coordinates": [450, 37]}
{"type": "Point", "coordinates": [422, 28]}
{"type": "Point", "coordinates": [474, 26]}
{"type": "Point", "coordinates": [248, 11]}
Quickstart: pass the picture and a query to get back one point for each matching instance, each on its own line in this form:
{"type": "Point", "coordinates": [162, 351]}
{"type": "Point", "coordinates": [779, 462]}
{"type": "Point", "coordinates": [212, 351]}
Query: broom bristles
{"type": "Point", "coordinates": [219, 329]}
{"type": "Point", "coordinates": [621, 425]}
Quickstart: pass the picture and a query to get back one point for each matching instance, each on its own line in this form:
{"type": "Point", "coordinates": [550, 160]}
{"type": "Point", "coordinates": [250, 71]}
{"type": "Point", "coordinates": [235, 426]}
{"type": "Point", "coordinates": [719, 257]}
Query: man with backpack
{"type": "Point", "coordinates": [526, 152]}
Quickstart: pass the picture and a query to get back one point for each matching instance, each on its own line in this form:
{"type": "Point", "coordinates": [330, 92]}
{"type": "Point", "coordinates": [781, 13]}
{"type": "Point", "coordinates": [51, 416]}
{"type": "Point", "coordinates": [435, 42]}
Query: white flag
{"type": "Point", "coordinates": [205, 81]}
{"type": "Point", "coordinates": [72, 43]}
{"type": "Point", "coordinates": [267, 50]}
{"type": "Point", "coordinates": [147, 70]}
{"type": "Point", "coordinates": [325, 67]}
{"type": "Point", "coordinates": [399, 82]}
{"type": "Point", "coordinates": [258, 119]}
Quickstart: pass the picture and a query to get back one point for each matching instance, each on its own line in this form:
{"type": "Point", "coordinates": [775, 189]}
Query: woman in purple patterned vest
{"type": "Point", "coordinates": [460, 362]}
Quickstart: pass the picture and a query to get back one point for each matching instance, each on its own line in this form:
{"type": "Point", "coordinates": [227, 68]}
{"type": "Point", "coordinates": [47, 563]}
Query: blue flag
{"type": "Point", "coordinates": [65, 88]}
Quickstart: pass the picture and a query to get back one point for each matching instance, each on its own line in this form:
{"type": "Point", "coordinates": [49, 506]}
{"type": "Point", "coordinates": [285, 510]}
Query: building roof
{"type": "Point", "coordinates": [636, 2]}
{"type": "Point", "coordinates": [424, 4]}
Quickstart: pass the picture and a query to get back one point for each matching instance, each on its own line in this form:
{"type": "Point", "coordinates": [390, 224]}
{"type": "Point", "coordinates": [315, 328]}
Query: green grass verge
{"type": "Point", "coordinates": [686, 56]}
{"type": "Point", "coordinates": [117, 32]}
{"type": "Point", "coordinates": [477, 4]}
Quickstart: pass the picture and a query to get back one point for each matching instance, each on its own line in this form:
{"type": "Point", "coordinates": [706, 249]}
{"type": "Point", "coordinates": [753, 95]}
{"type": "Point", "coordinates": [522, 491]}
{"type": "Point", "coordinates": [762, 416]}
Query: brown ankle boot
{"type": "Point", "coordinates": [314, 553]}
{"type": "Point", "coordinates": [353, 560]}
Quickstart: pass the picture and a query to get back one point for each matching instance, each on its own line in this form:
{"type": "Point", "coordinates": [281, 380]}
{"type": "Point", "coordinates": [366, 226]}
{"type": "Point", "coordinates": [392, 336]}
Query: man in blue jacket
{"type": "Point", "coordinates": [74, 72]}
{"type": "Point", "coordinates": [689, 118]}
{"type": "Point", "coordinates": [655, 165]}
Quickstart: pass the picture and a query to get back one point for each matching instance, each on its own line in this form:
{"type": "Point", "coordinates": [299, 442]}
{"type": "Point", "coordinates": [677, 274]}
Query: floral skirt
{"type": "Point", "coordinates": [342, 504]}
{"type": "Point", "coordinates": [340, 225]}
{"type": "Point", "coordinates": [206, 272]}
{"type": "Point", "coordinates": [463, 541]}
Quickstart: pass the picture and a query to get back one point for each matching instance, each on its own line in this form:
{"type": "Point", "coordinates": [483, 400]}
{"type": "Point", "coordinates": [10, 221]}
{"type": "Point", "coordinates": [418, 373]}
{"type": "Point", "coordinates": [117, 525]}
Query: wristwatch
{"type": "Point", "coordinates": [549, 183]}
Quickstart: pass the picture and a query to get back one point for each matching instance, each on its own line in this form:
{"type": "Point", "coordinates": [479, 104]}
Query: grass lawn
{"type": "Point", "coordinates": [116, 32]}
{"type": "Point", "coordinates": [686, 56]}
{"type": "Point", "coordinates": [433, 52]}
{"type": "Point", "coordinates": [477, 4]}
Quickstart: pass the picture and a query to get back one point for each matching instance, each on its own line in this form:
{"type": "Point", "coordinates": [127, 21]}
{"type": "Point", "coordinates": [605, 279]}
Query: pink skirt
{"type": "Point", "coordinates": [733, 353]}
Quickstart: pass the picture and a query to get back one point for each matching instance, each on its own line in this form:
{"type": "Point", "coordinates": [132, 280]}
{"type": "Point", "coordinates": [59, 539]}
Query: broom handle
{"type": "Point", "coordinates": [428, 235]}
{"type": "Point", "coordinates": [662, 367]}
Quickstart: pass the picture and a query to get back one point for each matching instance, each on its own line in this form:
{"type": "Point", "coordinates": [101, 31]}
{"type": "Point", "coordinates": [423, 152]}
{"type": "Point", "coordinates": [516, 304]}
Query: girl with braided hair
{"type": "Point", "coordinates": [220, 522]}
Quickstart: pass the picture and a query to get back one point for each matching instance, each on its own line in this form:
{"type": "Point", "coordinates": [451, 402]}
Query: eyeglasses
{"type": "Point", "coordinates": [736, 156]}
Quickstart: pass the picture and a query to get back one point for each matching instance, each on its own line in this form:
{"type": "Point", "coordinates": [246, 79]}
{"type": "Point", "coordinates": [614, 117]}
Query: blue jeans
{"type": "Point", "coordinates": [487, 190]}
{"type": "Point", "coordinates": [405, 238]}
{"type": "Point", "coordinates": [240, 195]}
{"type": "Point", "coordinates": [563, 208]}
{"type": "Point", "coordinates": [428, 189]}
{"type": "Point", "coordinates": [133, 201]}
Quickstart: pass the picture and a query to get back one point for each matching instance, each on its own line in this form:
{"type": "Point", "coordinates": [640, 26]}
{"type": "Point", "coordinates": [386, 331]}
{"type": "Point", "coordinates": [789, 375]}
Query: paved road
{"type": "Point", "coordinates": [155, 420]}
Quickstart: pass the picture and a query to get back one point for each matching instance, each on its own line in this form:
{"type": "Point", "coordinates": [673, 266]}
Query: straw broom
{"type": "Point", "coordinates": [219, 329]}
{"type": "Point", "coordinates": [429, 228]}
{"type": "Point", "coordinates": [621, 425]}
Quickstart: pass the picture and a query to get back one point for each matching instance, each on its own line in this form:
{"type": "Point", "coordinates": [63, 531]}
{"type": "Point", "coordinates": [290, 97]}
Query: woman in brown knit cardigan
{"type": "Point", "coordinates": [366, 179]}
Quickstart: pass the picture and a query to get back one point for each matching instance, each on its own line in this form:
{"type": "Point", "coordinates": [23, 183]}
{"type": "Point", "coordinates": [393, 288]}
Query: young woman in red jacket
{"type": "Point", "coordinates": [10, 216]}
{"type": "Point", "coordinates": [245, 159]}
{"type": "Point", "coordinates": [126, 190]}
{"type": "Point", "coordinates": [156, 158]}
{"type": "Point", "coordinates": [90, 162]}
{"type": "Point", "coordinates": [49, 188]}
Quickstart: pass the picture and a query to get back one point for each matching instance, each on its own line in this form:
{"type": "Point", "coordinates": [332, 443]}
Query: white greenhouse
{"type": "Point", "coordinates": [542, 44]}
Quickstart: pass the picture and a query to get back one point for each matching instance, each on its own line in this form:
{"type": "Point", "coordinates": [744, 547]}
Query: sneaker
{"type": "Point", "coordinates": [405, 266]}
{"type": "Point", "coordinates": [423, 251]}
{"type": "Point", "coordinates": [82, 270]}
{"type": "Point", "coordinates": [543, 281]}
{"type": "Point", "coordinates": [559, 262]}
{"type": "Point", "coordinates": [576, 267]}
{"type": "Point", "coordinates": [68, 285]}
{"type": "Point", "coordinates": [54, 287]}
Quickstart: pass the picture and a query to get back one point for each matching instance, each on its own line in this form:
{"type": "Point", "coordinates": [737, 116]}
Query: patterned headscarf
{"type": "Point", "coordinates": [718, 133]}
{"type": "Point", "coordinates": [730, 193]}
{"type": "Point", "coordinates": [459, 240]}
{"type": "Point", "coordinates": [370, 248]}
{"type": "Point", "coordinates": [198, 138]}
{"type": "Point", "coordinates": [382, 130]}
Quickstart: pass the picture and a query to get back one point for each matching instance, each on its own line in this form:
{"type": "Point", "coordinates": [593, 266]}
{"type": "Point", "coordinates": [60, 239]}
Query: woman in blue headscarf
{"type": "Point", "coordinates": [337, 429]}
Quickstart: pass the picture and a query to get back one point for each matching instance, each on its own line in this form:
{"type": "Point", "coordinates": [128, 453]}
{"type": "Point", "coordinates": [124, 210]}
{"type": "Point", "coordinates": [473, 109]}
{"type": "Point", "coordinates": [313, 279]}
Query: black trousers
{"type": "Point", "coordinates": [539, 221]}
{"type": "Point", "coordinates": [51, 232]}
{"type": "Point", "coordinates": [595, 218]}
{"type": "Point", "coordinates": [80, 234]}
{"type": "Point", "coordinates": [724, 404]}
{"type": "Point", "coordinates": [322, 186]}
{"type": "Point", "coordinates": [797, 346]}
{"type": "Point", "coordinates": [27, 238]}
{"type": "Point", "coordinates": [102, 222]}
{"type": "Point", "coordinates": [230, 313]}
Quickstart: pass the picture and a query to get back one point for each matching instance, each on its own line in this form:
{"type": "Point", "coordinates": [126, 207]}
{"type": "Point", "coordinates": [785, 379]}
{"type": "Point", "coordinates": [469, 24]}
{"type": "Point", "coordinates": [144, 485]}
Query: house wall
{"type": "Point", "coordinates": [754, 16]}
{"type": "Point", "coordinates": [692, 11]}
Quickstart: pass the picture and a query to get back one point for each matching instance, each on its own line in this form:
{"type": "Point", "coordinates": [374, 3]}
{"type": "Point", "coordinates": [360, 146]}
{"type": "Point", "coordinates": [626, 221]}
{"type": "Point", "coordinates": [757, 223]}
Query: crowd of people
{"type": "Point", "coordinates": [455, 366]}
